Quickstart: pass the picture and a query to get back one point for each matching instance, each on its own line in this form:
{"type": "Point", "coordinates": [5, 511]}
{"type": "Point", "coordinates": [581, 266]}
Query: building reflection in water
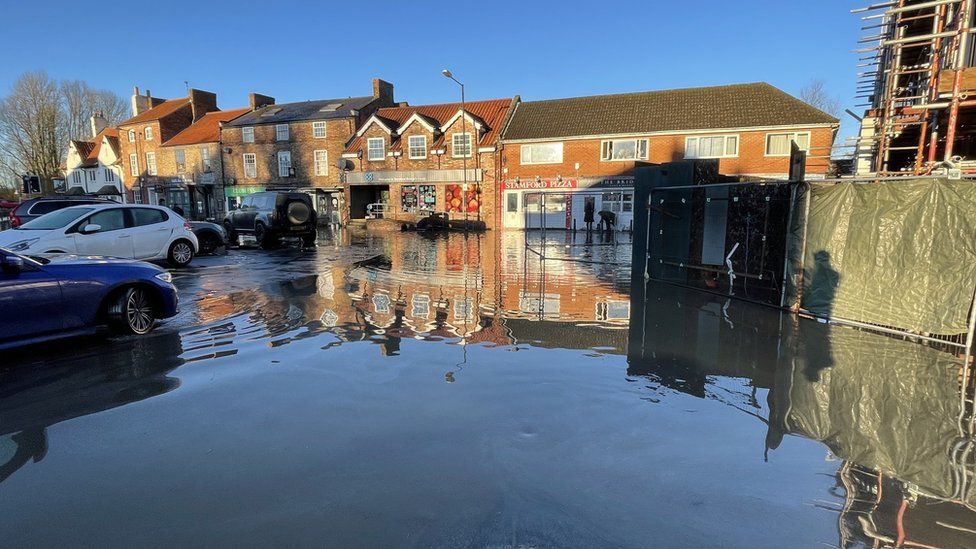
{"type": "Point", "coordinates": [482, 289]}
{"type": "Point", "coordinates": [892, 410]}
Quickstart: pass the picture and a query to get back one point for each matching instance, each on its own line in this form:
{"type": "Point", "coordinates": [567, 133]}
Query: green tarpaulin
{"type": "Point", "coordinates": [896, 253]}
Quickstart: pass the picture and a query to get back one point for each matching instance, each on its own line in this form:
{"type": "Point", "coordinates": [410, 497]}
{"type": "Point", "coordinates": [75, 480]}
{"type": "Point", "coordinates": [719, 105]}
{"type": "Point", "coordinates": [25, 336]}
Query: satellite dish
{"type": "Point", "coordinates": [344, 164]}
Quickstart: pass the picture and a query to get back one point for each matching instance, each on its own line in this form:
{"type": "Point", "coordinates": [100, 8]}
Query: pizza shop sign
{"type": "Point", "coordinates": [539, 184]}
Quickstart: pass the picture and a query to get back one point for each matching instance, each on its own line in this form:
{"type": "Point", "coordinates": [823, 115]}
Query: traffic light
{"type": "Point", "coordinates": [32, 184]}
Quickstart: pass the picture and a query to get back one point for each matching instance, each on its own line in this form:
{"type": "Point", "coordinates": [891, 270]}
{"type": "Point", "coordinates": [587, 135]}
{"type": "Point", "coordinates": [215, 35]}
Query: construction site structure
{"type": "Point", "coordinates": [919, 83]}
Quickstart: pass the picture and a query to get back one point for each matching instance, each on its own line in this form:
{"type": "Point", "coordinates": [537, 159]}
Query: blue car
{"type": "Point", "coordinates": [43, 299]}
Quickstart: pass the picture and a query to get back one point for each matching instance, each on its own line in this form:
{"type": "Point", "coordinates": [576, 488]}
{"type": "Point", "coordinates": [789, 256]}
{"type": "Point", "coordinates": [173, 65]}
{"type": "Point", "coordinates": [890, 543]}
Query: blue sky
{"type": "Point", "coordinates": [307, 50]}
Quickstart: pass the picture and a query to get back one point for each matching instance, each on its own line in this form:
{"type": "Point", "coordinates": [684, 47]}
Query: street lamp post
{"type": "Point", "coordinates": [464, 158]}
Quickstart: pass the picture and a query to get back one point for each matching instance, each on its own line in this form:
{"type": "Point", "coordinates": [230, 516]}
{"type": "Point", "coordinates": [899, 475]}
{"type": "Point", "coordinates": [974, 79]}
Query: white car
{"type": "Point", "coordinates": [113, 230]}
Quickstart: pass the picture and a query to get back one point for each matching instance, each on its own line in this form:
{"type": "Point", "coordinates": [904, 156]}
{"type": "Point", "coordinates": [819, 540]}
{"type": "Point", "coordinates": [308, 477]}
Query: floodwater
{"type": "Point", "coordinates": [390, 389]}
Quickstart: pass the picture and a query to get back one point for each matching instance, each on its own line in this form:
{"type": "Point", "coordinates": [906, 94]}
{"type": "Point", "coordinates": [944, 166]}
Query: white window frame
{"type": "Point", "coordinates": [282, 132]}
{"type": "Point", "coordinates": [606, 149]}
{"type": "Point", "coordinates": [697, 140]}
{"type": "Point", "coordinates": [147, 132]}
{"type": "Point", "coordinates": [528, 149]}
{"type": "Point", "coordinates": [132, 136]}
{"type": "Point", "coordinates": [109, 175]}
{"type": "Point", "coordinates": [251, 173]}
{"type": "Point", "coordinates": [134, 165]}
{"type": "Point", "coordinates": [793, 137]}
{"type": "Point", "coordinates": [370, 149]}
{"type": "Point", "coordinates": [205, 163]}
{"type": "Point", "coordinates": [76, 176]}
{"type": "Point", "coordinates": [321, 166]}
{"type": "Point", "coordinates": [422, 147]}
{"type": "Point", "coordinates": [283, 167]}
{"type": "Point", "coordinates": [319, 125]}
{"type": "Point", "coordinates": [454, 145]}
{"type": "Point", "coordinates": [151, 163]}
{"type": "Point", "coordinates": [247, 134]}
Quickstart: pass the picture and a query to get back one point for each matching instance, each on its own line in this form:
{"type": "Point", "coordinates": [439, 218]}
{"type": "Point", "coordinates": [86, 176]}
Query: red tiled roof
{"type": "Point", "coordinates": [162, 110]}
{"type": "Point", "coordinates": [205, 130]}
{"type": "Point", "coordinates": [491, 112]}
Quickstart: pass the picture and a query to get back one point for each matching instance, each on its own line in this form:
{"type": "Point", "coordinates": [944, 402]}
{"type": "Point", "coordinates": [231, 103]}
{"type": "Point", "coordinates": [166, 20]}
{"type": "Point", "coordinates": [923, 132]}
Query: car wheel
{"type": "Point", "coordinates": [231, 233]}
{"type": "Point", "coordinates": [180, 253]}
{"type": "Point", "coordinates": [209, 242]}
{"type": "Point", "coordinates": [132, 312]}
{"type": "Point", "coordinates": [263, 237]}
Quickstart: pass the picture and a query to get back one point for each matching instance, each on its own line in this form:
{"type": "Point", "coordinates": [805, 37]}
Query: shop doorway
{"type": "Point", "coordinates": [361, 196]}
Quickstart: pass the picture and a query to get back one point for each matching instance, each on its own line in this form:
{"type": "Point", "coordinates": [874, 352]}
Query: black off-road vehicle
{"type": "Point", "coordinates": [271, 216]}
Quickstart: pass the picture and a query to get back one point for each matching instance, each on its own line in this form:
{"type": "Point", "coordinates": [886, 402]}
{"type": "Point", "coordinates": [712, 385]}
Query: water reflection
{"type": "Point", "coordinates": [53, 386]}
{"type": "Point", "coordinates": [888, 408]}
{"type": "Point", "coordinates": [484, 289]}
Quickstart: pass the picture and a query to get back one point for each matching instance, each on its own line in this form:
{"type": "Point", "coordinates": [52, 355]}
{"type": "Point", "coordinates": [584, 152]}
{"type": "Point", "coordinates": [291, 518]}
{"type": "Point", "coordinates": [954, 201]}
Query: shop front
{"type": "Point", "coordinates": [234, 194]}
{"type": "Point", "coordinates": [412, 195]}
{"type": "Point", "coordinates": [562, 203]}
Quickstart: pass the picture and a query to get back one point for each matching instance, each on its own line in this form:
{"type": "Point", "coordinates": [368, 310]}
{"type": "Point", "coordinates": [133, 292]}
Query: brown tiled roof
{"type": "Point", "coordinates": [205, 130]}
{"type": "Point", "coordinates": [491, 112]}
{"type": "Point", "coordinates": [719, 107]}
{"type": "Point", "coordinates": [162, 110]}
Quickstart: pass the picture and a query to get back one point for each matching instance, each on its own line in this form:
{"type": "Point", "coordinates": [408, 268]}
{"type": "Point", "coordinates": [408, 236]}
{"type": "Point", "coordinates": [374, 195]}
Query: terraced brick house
{"type": "Point", "coordinates": [146, 170]}
{"type": "Point", "coordinates": [565, 146]}
{"type": "Point", "coordinates": [408, 161]}
{"type": "Point", "coordinates": [296, 146]}
{"type": "Point", "coordinates": [193, 157]}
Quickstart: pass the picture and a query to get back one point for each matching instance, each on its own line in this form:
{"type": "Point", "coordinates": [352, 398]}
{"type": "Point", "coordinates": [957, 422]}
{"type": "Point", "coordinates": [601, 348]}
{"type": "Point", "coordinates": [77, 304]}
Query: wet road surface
{"type": "Point", "coordinates": [389, 389]}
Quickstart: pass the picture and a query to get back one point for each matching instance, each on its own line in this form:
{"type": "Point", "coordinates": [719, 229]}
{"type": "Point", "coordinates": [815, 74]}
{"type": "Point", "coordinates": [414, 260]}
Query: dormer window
{"type": "Point", "coordinates": [417, 147]}
{"type": "Point", "coordinates": [148, 132]}
{"type": "Point", "coordinates": [375, 149]}
{"type": "Point", "coordinates": [461, 145]}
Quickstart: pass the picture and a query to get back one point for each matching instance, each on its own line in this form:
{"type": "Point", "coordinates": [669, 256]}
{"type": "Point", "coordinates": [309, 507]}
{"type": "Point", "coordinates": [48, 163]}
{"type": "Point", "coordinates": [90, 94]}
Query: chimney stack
{"type": "Point", "coordinates": [257, 101]}
{"type": "Point", "coordinates": [202, 102]}
{"type": "Point", "coordinates": [140, 104]}
{"type": "Point", "coordinates": [383, 91]}
{"type": "Point", "coordinates": [98, 123]}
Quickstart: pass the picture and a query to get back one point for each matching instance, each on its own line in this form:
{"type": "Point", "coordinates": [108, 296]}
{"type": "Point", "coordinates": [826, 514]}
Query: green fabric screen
{"type": "Point", "coordinates": [895, 253]}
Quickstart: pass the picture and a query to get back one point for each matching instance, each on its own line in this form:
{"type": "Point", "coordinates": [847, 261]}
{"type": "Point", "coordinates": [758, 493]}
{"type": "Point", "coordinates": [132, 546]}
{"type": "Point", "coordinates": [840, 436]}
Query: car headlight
{"type": "Point", "coordinates": [22, 245]}
{"type": "Point", "coordinates": [165, 277]}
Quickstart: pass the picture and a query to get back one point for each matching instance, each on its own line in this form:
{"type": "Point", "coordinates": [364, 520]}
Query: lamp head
{"type": "Point", "coordinates": [447, 73]}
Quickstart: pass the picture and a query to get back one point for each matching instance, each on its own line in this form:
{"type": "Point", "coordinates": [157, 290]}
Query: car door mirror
{"type": "Point", "coordinates": [13, 264]}
{"type": "Point", "coordinates": [91, 228]}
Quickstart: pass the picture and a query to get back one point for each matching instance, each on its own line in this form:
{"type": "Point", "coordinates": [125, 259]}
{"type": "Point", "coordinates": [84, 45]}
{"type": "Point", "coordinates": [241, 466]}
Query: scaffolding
{"type": "Point", "coordinates": [919, 83]}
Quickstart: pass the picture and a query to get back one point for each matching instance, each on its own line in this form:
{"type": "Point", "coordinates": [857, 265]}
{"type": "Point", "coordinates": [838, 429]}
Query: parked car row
{"type": "Point", "coordinates": [82, 263]}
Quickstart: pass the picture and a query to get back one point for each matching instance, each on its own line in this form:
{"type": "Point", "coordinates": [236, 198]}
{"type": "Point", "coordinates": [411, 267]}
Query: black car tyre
{"type": "Point", "coordinates": [180, 253]}
{"type": "Point", "coordinates": [231, 233]}
{"type": "Point", "coordinates": [132, 312]}
{"type": "Point", "coordinates": [264, 237]}
{"type": "Point", "coordinates": [209, 242]}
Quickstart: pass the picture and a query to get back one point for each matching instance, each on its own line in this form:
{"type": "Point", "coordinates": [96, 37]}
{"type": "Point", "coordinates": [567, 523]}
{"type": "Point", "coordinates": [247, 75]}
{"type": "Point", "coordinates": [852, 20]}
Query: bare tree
{"type": "Point", "coordinates": [40, 116]}
{"type": "Point", "coordinates": [815, 93]}
{"type": "Point", "coordinates": [32, 127]}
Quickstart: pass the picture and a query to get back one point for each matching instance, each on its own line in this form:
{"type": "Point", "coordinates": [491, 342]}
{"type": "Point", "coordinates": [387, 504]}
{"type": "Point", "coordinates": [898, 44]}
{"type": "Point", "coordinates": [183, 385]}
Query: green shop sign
{"type": "Point", "coordinates": [230, 192]}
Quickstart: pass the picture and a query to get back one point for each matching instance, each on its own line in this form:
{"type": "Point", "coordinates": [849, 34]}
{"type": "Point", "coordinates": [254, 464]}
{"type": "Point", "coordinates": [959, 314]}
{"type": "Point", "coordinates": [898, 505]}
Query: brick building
{"type": "Point", "coordinates": [295, 145]}
{"type": "Point", "coordinates": [414, 160]}
{"type": "Point", "coordinates": [193, 157]}
{"type": "Point", "coordinates": [564, 146]}
{"type": "Point", "coordinates": [148, 170]}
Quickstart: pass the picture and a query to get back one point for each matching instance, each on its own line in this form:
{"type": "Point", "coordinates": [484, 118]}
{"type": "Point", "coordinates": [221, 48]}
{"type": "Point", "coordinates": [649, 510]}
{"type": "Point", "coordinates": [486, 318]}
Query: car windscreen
{"type": "Point", "coordinates": [55, 220]}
